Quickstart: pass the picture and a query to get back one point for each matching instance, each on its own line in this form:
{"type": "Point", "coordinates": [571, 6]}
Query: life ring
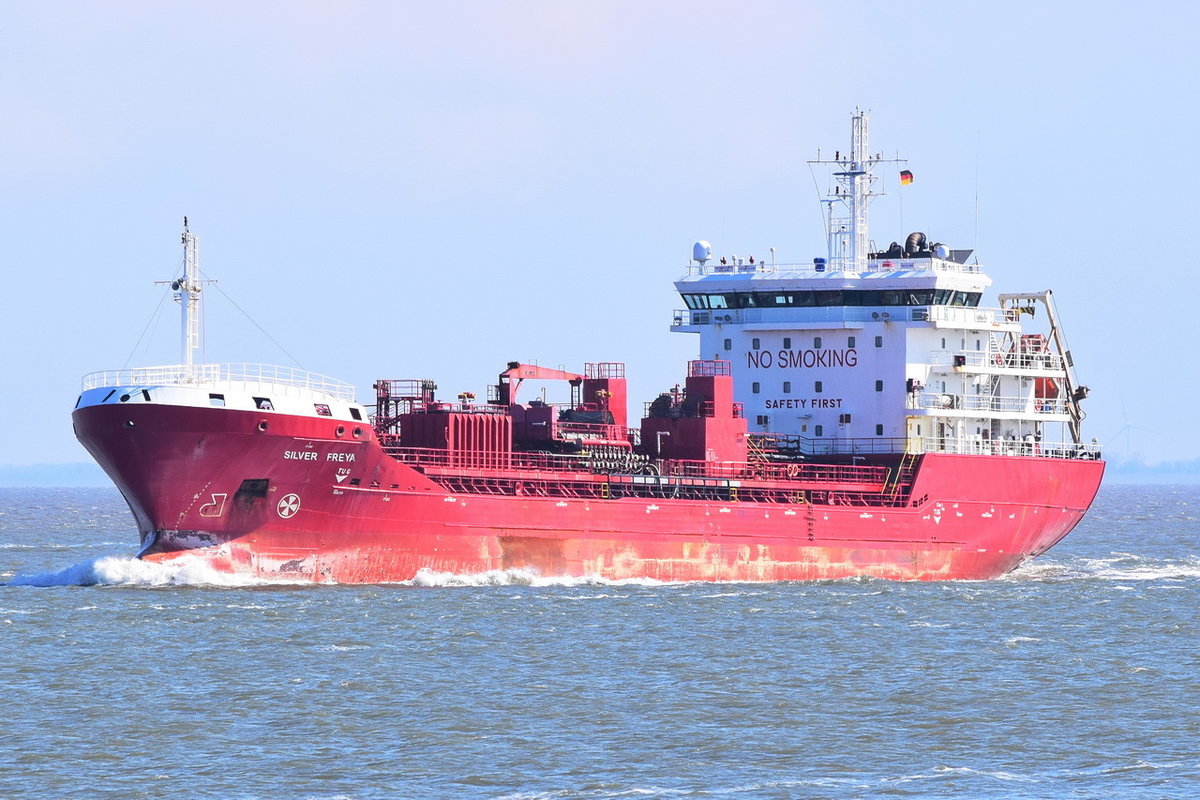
{"type": "Point", "coordinates": [793, 470]}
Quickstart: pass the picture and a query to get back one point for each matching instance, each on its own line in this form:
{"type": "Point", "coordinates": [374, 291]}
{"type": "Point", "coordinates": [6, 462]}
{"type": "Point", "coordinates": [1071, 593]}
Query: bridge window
{"type": "Point", "coordinates": [216, 400]}
{"type": "Point", "coordinates": [879, 341]}
{"type": "Point", "coordinates": [755, 387]}
{"type": "Point", "coordinates": [754, 343]}
{"type": "Point", "coordinates": [729, 344]}
{"type": "Point", "coordinates": [879, 386]}
{"type": "Point", "coordinates": [817, 387]}
{"type": "Point", "coordinates": [840, 297]}
{"type": "Point", "coordinates": [879, 430]}
{"type": "Point", "coordinates": [850, 341]}
{"type": "Point", "coordinates": [817, 342]}
{"type": "Point", "coordinates": [787, 387]}
{"type": "Point", "coordinates": [819, 430]}
{"type": "Point", "coordinates": [263, 404]}
{"type": "Point", "coordinates": [787, 343]}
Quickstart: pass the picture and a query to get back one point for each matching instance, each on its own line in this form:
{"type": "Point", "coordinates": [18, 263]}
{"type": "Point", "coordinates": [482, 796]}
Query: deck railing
{"type": "Point", "coordinates": [679, 468]}
{"type": "Point", "coordinates": [987, 402]}
{"type": "Point", "coordinates": [203, 374]}
{"type": "Point", "coordinates": [987, 359]}
{"type": "Point", "coordinates": [1028, 446]}
{"type": "Point", "coordinates": [972, 315]}
{"type": "Point", "coordinates": [790, 443]}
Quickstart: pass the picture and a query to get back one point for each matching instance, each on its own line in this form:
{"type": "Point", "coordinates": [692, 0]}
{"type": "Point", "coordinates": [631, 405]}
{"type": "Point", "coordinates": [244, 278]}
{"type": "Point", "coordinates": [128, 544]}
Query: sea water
{"type": "Point", "coordinates": [1076, 676]}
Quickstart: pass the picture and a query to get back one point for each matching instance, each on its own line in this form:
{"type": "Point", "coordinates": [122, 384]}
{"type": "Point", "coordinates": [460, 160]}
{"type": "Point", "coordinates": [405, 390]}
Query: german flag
{"type": "Point", "coordinates": [905, 177]}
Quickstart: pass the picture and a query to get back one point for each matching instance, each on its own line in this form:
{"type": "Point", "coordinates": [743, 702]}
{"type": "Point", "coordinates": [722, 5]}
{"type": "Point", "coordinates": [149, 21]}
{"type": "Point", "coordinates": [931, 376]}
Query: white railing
{"type": "Point", "coordinates": [988, 359]}
{"type": "Point", "coordinates": [1005, 447]}
{"type": "Point", "coordinates": [203, 374]}
{"type": "Point", "coordinates": [742, 265]}
{"type": "Point", "coordinates": [969, 316]}
{"type": "Point", "coordinates": [987, 402]}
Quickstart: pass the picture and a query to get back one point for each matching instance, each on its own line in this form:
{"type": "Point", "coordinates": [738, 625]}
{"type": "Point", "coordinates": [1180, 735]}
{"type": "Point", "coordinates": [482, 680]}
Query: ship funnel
{"type": "Point", "coordinates": [915, 243]}
{"type": "Point", "coordinates": [701, 251]}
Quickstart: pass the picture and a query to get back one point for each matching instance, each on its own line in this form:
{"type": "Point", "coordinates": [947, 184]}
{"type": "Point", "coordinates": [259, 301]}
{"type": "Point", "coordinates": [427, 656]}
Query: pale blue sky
{"type": "Point", "coordinates": [431, 190]}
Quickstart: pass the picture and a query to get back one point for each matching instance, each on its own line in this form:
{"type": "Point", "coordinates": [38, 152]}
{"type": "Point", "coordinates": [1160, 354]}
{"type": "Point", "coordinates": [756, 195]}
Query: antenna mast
{"type": "Point", "coordinates": [187, 292]}
{"type": "Point", "coordinates": [848, 242]}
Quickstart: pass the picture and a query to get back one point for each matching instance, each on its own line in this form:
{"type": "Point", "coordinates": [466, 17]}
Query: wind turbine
{"type": "Point", "coordinates": [1126, 430]}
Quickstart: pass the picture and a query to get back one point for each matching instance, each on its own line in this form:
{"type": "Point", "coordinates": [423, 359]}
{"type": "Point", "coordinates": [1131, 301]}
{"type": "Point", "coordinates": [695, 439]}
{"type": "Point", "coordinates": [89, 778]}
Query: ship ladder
{"type": "Point", "coordinates": [754, 451]}
{"type": "Point", "coordinates": [903, 473]}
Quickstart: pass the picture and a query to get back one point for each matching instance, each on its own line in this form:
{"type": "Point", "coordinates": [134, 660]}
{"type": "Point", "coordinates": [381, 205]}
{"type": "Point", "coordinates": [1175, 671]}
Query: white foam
{"type": "Point", "coordinates": [1017, 640]}
{"type": "Point", "coordinates": [129, 571]}
{"type": "Point", "coordinates": [1116, 567]}
{"type": "Point", "coordinates": [520, 577]}
{"type": "Point", "coordinates": [1000, 775]}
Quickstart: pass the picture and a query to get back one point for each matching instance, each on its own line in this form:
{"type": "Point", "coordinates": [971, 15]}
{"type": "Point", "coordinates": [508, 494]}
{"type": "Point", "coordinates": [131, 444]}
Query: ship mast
{"type": "Point", "coordinates": [848, 241]}
{"type": "Point", "coordinates": [187, 291]}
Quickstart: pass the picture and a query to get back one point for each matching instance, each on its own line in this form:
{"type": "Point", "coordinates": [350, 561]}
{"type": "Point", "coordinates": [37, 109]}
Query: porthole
{"type": "Point", "coordinates": [262, 426]}
{"type": "Point", "coordinates": [341, 430]}
{"type": "Point", "coordinates": [128, 423]}
{"type": "Point", "coordinates": [124, 398]}
{"type": "Point", "coordinates": [357, 432]}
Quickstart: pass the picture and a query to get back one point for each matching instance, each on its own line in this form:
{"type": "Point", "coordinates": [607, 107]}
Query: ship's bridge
{"type": "Point", "coordinates": [920, 288]}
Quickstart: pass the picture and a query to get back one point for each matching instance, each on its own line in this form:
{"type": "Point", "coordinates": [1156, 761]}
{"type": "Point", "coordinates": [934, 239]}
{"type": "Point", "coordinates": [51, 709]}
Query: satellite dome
{"type": "Point", "coordinates": [701, 251]}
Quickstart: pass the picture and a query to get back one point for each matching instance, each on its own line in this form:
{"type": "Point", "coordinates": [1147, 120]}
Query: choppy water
{"type": "Point", "coordinates": [1078, 676]}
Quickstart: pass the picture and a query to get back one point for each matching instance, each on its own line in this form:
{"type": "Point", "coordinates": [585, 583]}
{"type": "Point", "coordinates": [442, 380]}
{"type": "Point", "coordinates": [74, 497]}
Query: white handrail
{"type": "Point", "coordinates": [202, 374]}
{"type": "Point", "coordinates": [1027, 446]}
{"type": "Point", "coordinates": [987, 402]}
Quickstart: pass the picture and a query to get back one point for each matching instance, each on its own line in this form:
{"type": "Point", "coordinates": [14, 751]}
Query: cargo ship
{"type": "Point", "coordinates": [859, 414]}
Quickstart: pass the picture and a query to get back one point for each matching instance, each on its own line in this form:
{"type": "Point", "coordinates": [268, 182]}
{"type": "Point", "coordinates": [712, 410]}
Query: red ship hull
{"type": "Point", "coordinates": [325, 508]}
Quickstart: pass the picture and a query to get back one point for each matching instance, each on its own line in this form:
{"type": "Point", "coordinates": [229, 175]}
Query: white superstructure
{"type": "Point", "coordinates": [884, 350]}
